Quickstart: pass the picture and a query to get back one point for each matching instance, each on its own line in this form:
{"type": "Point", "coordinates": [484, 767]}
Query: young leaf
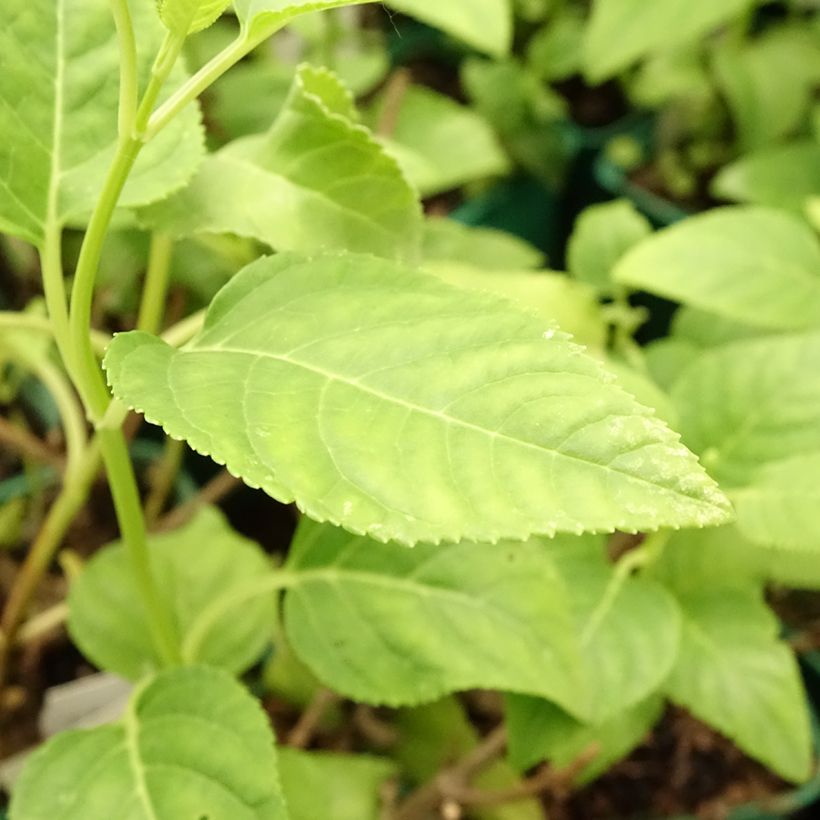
{"type": "Point", "coordinates": [602, 235]}
{"type": "Point", "coordinates": [341, 787]}
{"type": "Point", "coordinates": [751, 403]}
{"type": "Point", "coordinates": [186, 17]}
{"type": "Point", "coordinates": [385, 401]}
{"type": "Point", "coordinates": [379, 623]}
{"type": "Point", "coordinates": [758, 266]}
{"type": "Point", "coordinates": [316, 180]}
{"type": "Point", "coordinates": [736, 675]}
{"type": "Point", "coordinates": [539, 730]}
{"type": "Point", "coordinates": [622, 31]}
{"type": "Point", "coordinates": [58, 136]}
{"type": "Point", "coordinates": [260, 18]}
{"type": "Point", "coordinates": [781, 506]}
{"type": "Point", "coordinates": [107, 619]}
{"type": "Point", "coordinates": [192, 744]}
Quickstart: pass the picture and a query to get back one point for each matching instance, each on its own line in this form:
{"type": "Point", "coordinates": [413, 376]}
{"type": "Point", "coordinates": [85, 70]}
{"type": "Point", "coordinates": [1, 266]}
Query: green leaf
{"type": "Point", "coordinates": [622, 31]}
{"type": "Point", "coordinates": [758, 266]}
{"type": "Point", "coordinates": [446, 240]}
{"type": "Point", "coordinates": [186, 17]}
{"type": "Point", "coordinates": [337, 786]}
{"type": "Point", "coordinates": [539, 730]}
{"type": "Point", "coordinates": [734, 674]}
{"type": "Point", "coordinates": [441, 144]}
{"type": "Point", "coordinates": [59, 91]}
{"type": "Point", "coordinates": [571, 306]}
{"type": "Point", "coordinates": [602, 235]}
{"type": "Point", "coordinates": [485, 24]}
{"type": "Point", "coordinates": [315, 181]}
{"type": "Point", "coordinates": [781, 506]}
{"type": "Point", "coordinates": [781, 176]}
{"type": "Point", "coordinates": [107, 619]}
{"type": "Point", "coordinates": [261, 18]}
{"type": "Point", "coordinates": [380, 623]}
{"type": "Point", "coordinates": [192, 744]}
{"type": "Point", "coordinates": [628, 628]}
{"type": "Point", "coordinates": [703, 329]}
{"type": "Point", "coordinates": [390, 403]}
{"type": "Point", "coordinates": [750, 403]}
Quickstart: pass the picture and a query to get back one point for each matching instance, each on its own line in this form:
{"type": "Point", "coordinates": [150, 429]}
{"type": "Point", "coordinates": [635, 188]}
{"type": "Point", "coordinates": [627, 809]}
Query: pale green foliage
{"type": "Point", "coordinates": [554, 52]}
{"type": "Point", "coordinates": [554, 297]}
{"type": "Point", "coordinates": [446, 240]}
{"type": "Point", "coordinates": [341, 787]}
{"type": "Point", "coordinates": [755, 265]}
{"type": "Point", "coordinates": [58, 115]}
{"type": "Point", "coordinates": [747, 404]}
{"type": "Point", "coordinates": [441, 144]}
{"type": "Point", "coordinates": [360, 613]}
{"type": "Point", "coordinates": [781, 506]}
{"type": "Point", "coordinates": [736, 675]}
{"type": "Point", "coordinates": [195, 566]}
{"type": "Point", "coordinates": [707, 330]}
{"type": "Point", "coordinates": [780, 176]}
{"type": "Point", "coordinates": [192, 744]}
{"type": "Point", "coordinates": [309, 371]}
{"type": "Point", "coordinates": [316, 180]}
{"type": "Point", "coordinates": [622, 31]}
{"type": "Point", "coordinates": [260, 18]}
{"type": "Point", "coordinates": [485, 24]}
{"type": "Point", "coordinates": [539, 730]}
{"type": "Point", "coordinates": [602, 235]}
{"type": "Point", "coordinates": [185, 17]}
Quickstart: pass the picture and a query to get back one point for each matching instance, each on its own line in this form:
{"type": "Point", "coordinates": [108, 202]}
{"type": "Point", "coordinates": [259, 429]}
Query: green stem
{"type": "Point", "coordinates": [162, 479]}
{"type": "Point", "coordinates": [51, 262]}
{"type": "Point", "coordinates": [169, 53]}
{"type": "Point", "coordinates": [14, 320]}
{"type": "Point", "coordinates": [129, 75]}
{"type": "Point", "coordinates": [152, 307]}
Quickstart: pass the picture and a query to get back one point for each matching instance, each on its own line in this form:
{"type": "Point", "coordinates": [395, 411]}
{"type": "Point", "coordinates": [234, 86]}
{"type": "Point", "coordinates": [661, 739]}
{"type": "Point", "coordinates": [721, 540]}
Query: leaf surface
{"type": "Point", "coordinates": [736, 675]}
{"type": "Point", "coordinates": [58, 137]}
{"type": "Point", "coordinates": [315, 181]}
{"type": "Point", "coordinates": [192, 744]}
{"type": "Point", "coordinates": [754, 265]}
{"type": "Point", "coordinates": [194, 566]}
{"type": "Point", "coordinates": [189, 16]}
{"type": "Point", "coordinates": [380, 623]}
{"type": "Point", "coordinates": [385, 401]}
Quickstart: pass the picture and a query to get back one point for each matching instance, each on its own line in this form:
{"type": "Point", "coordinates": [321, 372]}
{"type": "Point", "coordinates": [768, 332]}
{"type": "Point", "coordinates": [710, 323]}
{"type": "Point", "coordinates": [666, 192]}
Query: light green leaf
{"type": "Point", "coordinates": [446, 240]}
{"type": "Point", "coordinates": [667, 358]}
{"type": "Point", "coordinates": [261, 18]}
{"type": "Point", "coordinates": [485, 24]}
{"type": "Point", "coordinates": [384, 624]}
{"type": "Point", "coordinates": [441, 144]}
{"type": "Point", "coordinates": [639, 384]}
{"type": "Point", "coordinates": [755, 265]}
{"type": "Point", "coordinates": [781, 506]}
{"type": "Point", "coordinates": [186, 17]}
{"type": "Point", "coordinates": [782, 176]}
{"type": "Point", "coordinates": [539, 730]}
{"type": "Point", "coordinates": [107, 619]}
{"type": "Point", "coordinates": [337, 786]}
{"type": "Point", "coordinates": [602, 235]}
{"type": "Point", "coordinates": [192, 744]}
{"type": "Point", "coordinates": [703, 329]}
{"type": "Point", "coordinates": [315, 181]}
{"type": "Point", "coordinates": [386, 401]}
{"type": "Point", "coordinates": [554, 52]}
{"type": "Point", "coordinates": [622, 31]}
{"type": "Point", "coordinates": [629, 629]}
{"type": "Point", "coordinates": [571, 306]}
{"type": "Point", "coordinates": [59, 90]}
{"type": "Point", "coordinates": [750, 403]}
{"type": "Point", "coordinates": [734, 674]}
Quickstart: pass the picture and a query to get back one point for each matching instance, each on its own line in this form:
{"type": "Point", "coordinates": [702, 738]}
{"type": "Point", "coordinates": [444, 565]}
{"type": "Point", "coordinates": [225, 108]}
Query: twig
{"type": "Point", "coordinates": [302, 733]}
{"type": "Point", "coordinates": [213, 492]}
{"type": "Point", "coordinates": [162, 479]}
{"type": "Point", "coordinates": [28, 445]}
{"type": "Point", "coordinates": [394, 95]}
{"type": "Point", "coordinates": [376, 731]}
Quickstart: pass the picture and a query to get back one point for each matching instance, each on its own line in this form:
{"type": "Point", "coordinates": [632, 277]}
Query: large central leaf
{"type": "Point", "coordinates": [392, 404]}
{"type": "Point", "coordinates": [59, 90]}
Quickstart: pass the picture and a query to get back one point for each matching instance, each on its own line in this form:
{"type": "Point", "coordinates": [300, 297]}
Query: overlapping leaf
{"type": "Point", "coordinates": [736, 675]}
{"type": "Point", "coordinates": [755, 265]}
{"type": "Point", "coordinates": [388, 402]}
{"type": "Point", "coordinates": [379, 623]}
{"type": "Point", "coordinates": [188, 16]}
{"type": "Point", "coordinates": [194, 566]}
{"type": "Point", "coordinates": [315, 181]}
{"type": "Point", "coordinates": [59, 90]}
{"type": "Point", "coordinates": [192, 744]}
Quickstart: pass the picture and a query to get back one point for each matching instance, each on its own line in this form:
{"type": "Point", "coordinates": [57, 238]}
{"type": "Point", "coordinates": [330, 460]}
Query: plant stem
{"type": "Point", "coordinates": [14, 320]}
{"type": "Point", "coordinates": [168, 54]}
{"type": "Point", "coordinates": [163, 479]}
{"type": "Point", "coordinates": [27, 444]}
{"type": "Point", "coordinates": [129, 76]}
{"type": "Point", "coordinates": [152, 306]}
